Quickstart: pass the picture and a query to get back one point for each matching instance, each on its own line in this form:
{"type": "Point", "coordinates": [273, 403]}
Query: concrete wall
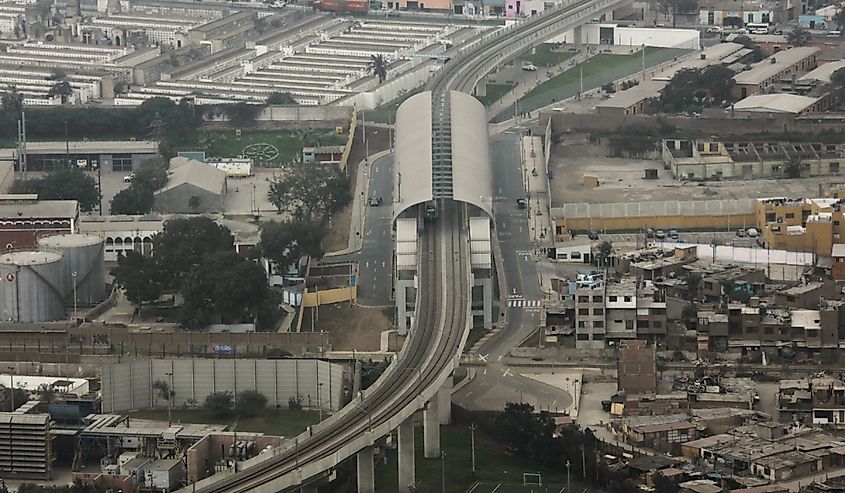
{"type": "Point", "coordinates": [563, 123]}
{"type": "Point", "coordinates": [305, 113]}
{"type": "Point", "coordinates": [206, 452]}
{"type": "Point", "coordinates": [635, 36]}
{"type": "Point", "coordinates": [329, 296]}
{"type": "Point", "coordinates": [128, 386]}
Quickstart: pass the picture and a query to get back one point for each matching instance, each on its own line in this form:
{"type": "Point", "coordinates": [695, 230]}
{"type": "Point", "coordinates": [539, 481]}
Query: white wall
{"type": "Point", "coordinates": [636, 36]}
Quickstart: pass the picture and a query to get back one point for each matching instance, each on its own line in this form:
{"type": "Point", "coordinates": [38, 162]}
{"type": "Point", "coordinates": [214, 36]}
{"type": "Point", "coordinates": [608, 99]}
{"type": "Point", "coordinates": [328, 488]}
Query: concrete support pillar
{"type": "Point", "coordinates": [401, 308]}
{"type": "Point", "coordinates": [577, 33]}
{"type": "Point", "coordinates": [309, 488]}
{"type": "Point", "coordinates": [431, 429]}
{"type": "Point", "coordinates": [366, 478]}
{"type": "Point", "coordinates": [487, 292]}
{"type": "Point", "coordinates": [407, 473]}
{"type": "Point", "coordinates": [444, 401]}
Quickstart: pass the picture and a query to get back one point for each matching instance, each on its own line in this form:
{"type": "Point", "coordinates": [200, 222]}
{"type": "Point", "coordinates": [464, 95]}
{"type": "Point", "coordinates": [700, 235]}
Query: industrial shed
{"type": "Point", "coordinates": [192, 188]}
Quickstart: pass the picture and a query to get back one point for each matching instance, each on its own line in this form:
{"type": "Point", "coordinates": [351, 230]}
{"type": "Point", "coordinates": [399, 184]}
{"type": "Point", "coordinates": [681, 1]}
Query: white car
{"type": "Point", "coordinates": [128, 178]}
{"type": "Point", "coordinates": [714, 29]}
{"type": "Point", "coordinates": [752, 233]}
{"type": "Point", "coordinates": [529, 67]}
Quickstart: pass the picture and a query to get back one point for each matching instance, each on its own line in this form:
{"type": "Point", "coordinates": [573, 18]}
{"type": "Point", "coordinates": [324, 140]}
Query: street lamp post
{"type": "Point", "coordinates": [169, 399]}
{"type": "Point", "coordinates": [568, 467]}
{"type": "Point", "coordinates": [472, 444]}
{"type": "Point", "coordinates": [73, 275]}
{"type": "Point", "coordinates": [12, 387]}
{"type": "Point", "coordinates": [319, 403]}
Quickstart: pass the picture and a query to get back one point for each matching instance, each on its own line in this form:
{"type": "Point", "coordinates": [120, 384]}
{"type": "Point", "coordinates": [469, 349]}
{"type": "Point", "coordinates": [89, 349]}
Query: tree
{"type": "Point", "coordinates": [794, 167]}
{"type": "Point", "coordinates": [378, 67]}
{"type": "Point", "coordinates": [224, 284]}
{"type": "Point", "coordinates": [162, 391]}
{"type": "Point", "coordinates": [12, 102]}
{"type": "Point", "coordinates": [62, 89]}
{"type": "Point", "coordinates": [219, 404]}
{"type": "Point", "coordinates": [250, 403]}
{"type": "Point", "coordinates": [281, 98]}
{"type": "Point", "coordinates": [242, 113]}
{"type": "Point", "coordinates": [839, 18]}
{"type": "Point", "coordinates": [286, 242]}
{"type": "Point", "coordinates": [20, 397]}
{"type": "Point", "coordinates": [693, 285]}
{"type": "Point", "coordinates": [151, 173]}
{"type": "Point", "coordinates": [133, 200]}
{"type": "Point", "coordinates": [371, 371]}
{"type": "Point", "coordinates": [798, 36]}
{"type": "Point", "coordinates": [692, 89]}
{"type": "Point", "coordinates": [58, 73]}
{"type": "Point", "coordinates": [46, 393]}
{"type": "Point", "coordinates": [194, 202]}
{"type": "Point", "coordinates": [605, 248]}
{"type": "Point", "coordinates": [184, 244]}
{"type": "Point", "coordinates": [66, 183]}
{"type": "Point", "coordinates": [139, 277]}
{"type": "Point", "coordinates": [310, 191]}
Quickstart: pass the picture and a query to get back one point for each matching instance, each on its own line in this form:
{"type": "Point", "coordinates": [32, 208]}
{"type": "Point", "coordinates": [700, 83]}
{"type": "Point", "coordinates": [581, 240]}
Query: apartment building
{"type": "Point", "coordinates": [589, 300]}
{"type": "Point", "coordinates": [801, 225]}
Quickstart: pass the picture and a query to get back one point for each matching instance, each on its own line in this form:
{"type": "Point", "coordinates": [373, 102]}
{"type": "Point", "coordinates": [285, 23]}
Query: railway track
{"type": "Point", "coordinates": [442, 318]}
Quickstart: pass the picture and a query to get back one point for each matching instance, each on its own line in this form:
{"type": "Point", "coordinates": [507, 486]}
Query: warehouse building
{"type": "Point", "coordinates": [772, 69]}
{"type": "Point", "coordinates": [192, 188]}
{"type": "Point", "coordinates": [119, 156]}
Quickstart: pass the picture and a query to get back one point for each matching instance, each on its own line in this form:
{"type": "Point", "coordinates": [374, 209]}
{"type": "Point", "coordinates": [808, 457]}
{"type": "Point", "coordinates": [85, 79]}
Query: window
{"type": "Point", "coordinates": [657, 324]}
{"type": "Point", "coordinates": [583, 337]}
{"type": "Point", "coordinates": [598, 299]}
{"type": "Point", "coordinates": [627, 299]}
{"type": "Point", "coordinates": [769, 330]}
{"type": "Point", "coordinates": [642, 324]}
{"type": "Point", "coordinates": [618, 322]}
{"type": "Point", "coordinates": [611, 298]}
{"type": "Point", "coordinates": [598, 337]}
{"type": "Point", "coordinates": [790, 215]}
{"type": "Point", "coordinates": [598, 324]}
{"type": "Point", "coordinates": [583, 311]}
{"type": "Point", "coordinates": [598, 311]}
{"type": "Point", "coordinates": [583, 299]}
{"type": "Point", "coordinates": [770, 217]}
{"type": "Point", "coordinates": [629, 324]}
{"type": "Point", "coordinates": [582, 324]}
{"type": "Point", "coordinates": [121, 162]}
{"type": "Point", "coordinates": [834, 167]}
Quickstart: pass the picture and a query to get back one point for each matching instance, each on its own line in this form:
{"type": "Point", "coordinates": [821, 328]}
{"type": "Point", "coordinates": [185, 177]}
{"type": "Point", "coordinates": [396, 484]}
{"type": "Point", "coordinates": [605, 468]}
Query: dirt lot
{"type": "Point", "coordinates": [338, 237]}
{"type": "Point", "coordinates": [350, 327]}
{"type": "Point", "coordinates": [621, 179]}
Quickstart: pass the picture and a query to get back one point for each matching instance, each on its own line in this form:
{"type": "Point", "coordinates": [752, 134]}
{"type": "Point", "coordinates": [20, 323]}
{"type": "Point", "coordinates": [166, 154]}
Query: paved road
{"type": "Point", "coordinates": [376, 257]}
{"type": "Point", "coordinates": [496, 383]}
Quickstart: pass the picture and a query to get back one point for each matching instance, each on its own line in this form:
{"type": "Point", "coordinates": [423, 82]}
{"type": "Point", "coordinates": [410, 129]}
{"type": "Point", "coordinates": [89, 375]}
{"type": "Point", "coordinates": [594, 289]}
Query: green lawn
{"type": "Point", "coordinates": [282, 422]}
{"type": "Point", "coordinates": [494, 93]}
{"type": "Point", "coordinates": [493, 465]}
{"type": "Point", "coordinates": [225, 143]}
{"type": "Point", "coordinates": [597, 71]}
{"type": "Point", "coordinates": [545, 56]}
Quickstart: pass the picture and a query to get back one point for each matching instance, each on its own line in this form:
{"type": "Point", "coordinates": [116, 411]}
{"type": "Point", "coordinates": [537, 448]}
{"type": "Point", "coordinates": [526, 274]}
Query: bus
{"type": "Point", "coordinates": [757, 28]}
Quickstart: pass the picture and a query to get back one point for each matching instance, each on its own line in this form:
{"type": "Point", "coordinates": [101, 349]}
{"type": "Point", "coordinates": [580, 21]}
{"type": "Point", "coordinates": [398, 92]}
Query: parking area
{"type": "Point", "coordinates": [730, 238]}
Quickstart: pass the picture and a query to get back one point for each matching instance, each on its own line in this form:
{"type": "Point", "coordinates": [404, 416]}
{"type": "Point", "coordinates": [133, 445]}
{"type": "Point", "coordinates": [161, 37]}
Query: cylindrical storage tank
{"type": "Point", "coordinates": [82, 254]}
{"type": "Point", "coordinates": [32, 287]}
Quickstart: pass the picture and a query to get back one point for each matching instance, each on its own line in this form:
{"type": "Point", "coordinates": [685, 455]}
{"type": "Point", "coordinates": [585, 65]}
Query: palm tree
{"type": "Point", "coordinates": [378, 67]}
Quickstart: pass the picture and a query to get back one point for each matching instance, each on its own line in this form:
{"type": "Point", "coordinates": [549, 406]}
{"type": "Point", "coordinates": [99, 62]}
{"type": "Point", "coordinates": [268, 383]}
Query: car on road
{"type": "Point", "coordinates": [834, 34]}
{"type": "Point", "coordinates": [660, 234]}
{"type": "Point", "coordinates": [521, 203]}
{"type": "Point", "coordinates": [714, 29]}
{"type": "Point", "coordinates": [673, 233]}
{"type": "Point", "coordinates": [593, 235]}
{"type": "Point", "coordinates": [752, 233]}
{"type": "Point", "coordinates": [740, 232]}
{"type": "Point", "coordinates": [375, 201]}
{"type": "Point", "coordinates": [529, 67]}
{"type": "Point", "coordinates": [128, 178]}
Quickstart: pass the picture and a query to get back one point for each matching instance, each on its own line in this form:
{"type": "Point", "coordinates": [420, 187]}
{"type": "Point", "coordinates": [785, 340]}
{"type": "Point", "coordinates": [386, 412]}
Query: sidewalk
{"type": "Point", "coordinates": [536, 184]}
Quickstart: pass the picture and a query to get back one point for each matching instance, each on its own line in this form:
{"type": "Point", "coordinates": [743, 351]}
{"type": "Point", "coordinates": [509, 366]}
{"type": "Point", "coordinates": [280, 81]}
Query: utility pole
{"type": "Point", "coordinates": [12, 387]}
{"type": "Point", "coordinates": [443, 472]}
{"type": "Point", "coordinates": [472, 444]}
{"type": "Point", "coordinates": [67, 146]}
{"type": "Point", "coordinates": [73, 275]}
{"type": "Point", "coordinates": [568, 467]}
{"type": "Point", "coordinates": [169, 397]}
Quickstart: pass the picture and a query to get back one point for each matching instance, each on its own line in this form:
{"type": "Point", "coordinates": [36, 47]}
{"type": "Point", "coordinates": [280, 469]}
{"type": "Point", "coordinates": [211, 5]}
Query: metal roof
{"type": "Point", "coordinates": [775, 64]}
{"type": "Point", "coordinates": [197, 174]}
{"type": "Point", "coordinates": [413, 180]}
{"type": "Point", "coordinates": [471, 175]}
{"type": "Point", "coordinates": [775, 103]}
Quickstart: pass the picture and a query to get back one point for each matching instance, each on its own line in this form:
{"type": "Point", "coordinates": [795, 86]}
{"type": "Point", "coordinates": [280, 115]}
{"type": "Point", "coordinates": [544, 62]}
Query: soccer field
{"type": "Point", "coordinates": [485, 487]}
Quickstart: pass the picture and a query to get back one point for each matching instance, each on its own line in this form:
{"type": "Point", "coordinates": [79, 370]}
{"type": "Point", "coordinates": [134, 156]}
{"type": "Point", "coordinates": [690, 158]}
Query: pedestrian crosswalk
{"type": "Point", "coordinates": [517, 303]}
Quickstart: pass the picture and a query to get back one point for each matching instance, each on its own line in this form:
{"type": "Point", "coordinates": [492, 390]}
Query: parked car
{"type": "Point", "coordinates": [752, 233]}
{"type": "Point", "coordinates": [593, 235]}
{"type": "Point", "coordinates": [521, 203]}
{"type": "Point", "coordinates": [529, 67]}
{"type": "Point", "coordinates": [834, 34]}
{"type": "Point", "coordinates": [673, 233]}
{"type": "Point", "coordinates": [649, 233]}
{"type": "Point", "coordinates": [660, 234]}
{"type": "Point", "coordinates": [375, 201]}
{"type": "Point", "coordinates": [128, 178]}
{"type": "Point", "coordinates": [740, 232]}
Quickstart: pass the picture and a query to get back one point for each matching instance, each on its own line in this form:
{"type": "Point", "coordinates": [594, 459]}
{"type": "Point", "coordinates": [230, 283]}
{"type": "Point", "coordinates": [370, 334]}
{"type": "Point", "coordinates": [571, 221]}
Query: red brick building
{"type": "Point", "coordinates": [24, 219]}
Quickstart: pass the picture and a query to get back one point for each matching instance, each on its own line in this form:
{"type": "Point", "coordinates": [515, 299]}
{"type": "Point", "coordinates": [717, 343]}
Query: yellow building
{"type": "Point", "coordinates": [801, 225]}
